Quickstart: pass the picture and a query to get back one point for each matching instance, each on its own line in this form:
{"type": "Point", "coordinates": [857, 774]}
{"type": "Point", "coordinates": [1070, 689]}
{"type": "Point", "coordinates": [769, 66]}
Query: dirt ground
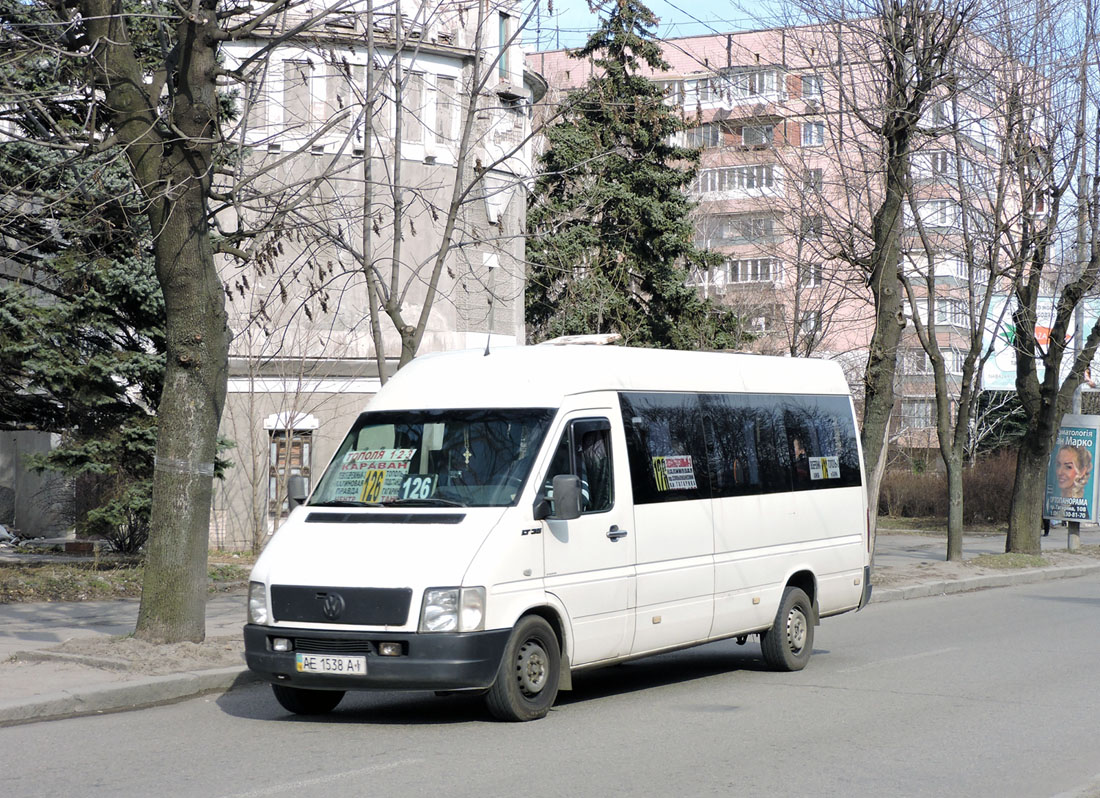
{"type": "Point", "coordinates": [131, 655]}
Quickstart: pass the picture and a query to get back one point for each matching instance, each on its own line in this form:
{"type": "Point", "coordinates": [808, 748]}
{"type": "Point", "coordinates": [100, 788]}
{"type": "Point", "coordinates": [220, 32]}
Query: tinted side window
{"type": "Point", "coordinates": [821, 427]}
{"type": "Point", "coordinates": [737, 444]}
{"type": "Point", "coordinates": [747, 457]}
{"type": "Point", "coordinates": [667, 447]}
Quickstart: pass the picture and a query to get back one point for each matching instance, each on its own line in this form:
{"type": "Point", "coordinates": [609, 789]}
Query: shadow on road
{"type": "Point", "coordinates": [418, 708]}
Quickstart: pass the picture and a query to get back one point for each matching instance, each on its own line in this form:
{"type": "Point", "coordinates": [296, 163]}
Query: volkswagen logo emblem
{"type": "Point", "coordinates": [333, 606]}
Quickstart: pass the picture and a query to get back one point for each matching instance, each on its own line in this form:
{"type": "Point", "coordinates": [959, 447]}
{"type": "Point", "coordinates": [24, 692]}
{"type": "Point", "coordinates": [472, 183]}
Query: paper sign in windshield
{"type": "Point", "coordinates": [674, 472]}
{"type": "Point", "coordinates": [824, 467]}
{"type": "Point", "coordinates": [372, 476]}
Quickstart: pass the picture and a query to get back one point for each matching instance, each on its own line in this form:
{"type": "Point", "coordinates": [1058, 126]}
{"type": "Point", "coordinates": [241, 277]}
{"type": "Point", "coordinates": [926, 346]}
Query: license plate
{"type": "Point", "coordinates": [317, 663]}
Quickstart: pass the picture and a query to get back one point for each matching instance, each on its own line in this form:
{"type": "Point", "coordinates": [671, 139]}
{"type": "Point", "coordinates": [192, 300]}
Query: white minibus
{"type": "Point", "coordinates": [498, 522]}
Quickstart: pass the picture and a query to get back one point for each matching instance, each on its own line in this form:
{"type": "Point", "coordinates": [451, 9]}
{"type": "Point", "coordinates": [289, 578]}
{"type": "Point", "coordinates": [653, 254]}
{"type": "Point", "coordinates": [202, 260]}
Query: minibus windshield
{"type": "Point", "coordinates": [434, 458]}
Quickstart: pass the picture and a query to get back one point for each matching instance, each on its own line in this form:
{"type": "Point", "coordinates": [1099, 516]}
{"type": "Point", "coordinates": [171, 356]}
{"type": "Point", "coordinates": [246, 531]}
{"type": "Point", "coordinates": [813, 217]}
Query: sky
{"type": "Point", "coordinates": [569, 21]}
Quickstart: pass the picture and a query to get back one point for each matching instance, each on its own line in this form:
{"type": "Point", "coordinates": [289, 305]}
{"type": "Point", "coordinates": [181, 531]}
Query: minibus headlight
{"type": "Point", "coordinates": [257, 603]}
{"type": "Point", "coordinates": [453, 609]}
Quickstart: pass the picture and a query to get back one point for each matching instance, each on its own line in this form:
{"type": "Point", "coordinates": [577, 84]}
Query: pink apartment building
{"type": "Point", "coordinates": [787, 188]}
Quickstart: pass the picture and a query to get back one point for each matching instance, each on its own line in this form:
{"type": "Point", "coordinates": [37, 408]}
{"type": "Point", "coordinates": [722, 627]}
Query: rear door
{"type": "Point", "coordinates": [590, 559]}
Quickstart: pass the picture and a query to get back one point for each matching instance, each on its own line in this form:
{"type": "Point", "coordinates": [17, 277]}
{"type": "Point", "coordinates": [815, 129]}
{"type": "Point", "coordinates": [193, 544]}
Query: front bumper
{"type": "Point", "coordinates": [428, 661]}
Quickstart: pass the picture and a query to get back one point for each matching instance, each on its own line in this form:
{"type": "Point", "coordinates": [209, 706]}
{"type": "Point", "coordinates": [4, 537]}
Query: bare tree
{"type": "Point", "coordinates": [409, 214]}
{"type": "Point", "coordinates": [1052, 139]}
{"type": "Point", "coordinates": [884, 61]}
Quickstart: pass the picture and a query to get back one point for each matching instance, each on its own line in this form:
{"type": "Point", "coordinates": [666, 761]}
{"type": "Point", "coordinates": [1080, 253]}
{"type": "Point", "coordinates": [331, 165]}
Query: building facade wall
{"type": "Point", "coordinates": [304, 360]}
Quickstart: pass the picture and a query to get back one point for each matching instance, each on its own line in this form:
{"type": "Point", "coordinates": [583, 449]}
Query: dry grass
{"type": "Point", "coordinates": [44, 578]}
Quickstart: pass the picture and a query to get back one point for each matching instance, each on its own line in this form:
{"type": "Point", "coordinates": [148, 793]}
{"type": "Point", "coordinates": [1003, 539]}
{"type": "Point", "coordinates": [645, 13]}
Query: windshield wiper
{"type": "Point", "coordinates": [433, 502]}
{"type": "Point", "coordinates": [345, 503]}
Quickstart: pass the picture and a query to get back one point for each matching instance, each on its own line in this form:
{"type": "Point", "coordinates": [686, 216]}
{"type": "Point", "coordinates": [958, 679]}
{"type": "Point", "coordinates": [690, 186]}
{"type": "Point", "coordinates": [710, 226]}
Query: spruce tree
{"type": "Point", "coordinates": [610, 239]}
{"type": "Point", "coordinates": [81, 312]}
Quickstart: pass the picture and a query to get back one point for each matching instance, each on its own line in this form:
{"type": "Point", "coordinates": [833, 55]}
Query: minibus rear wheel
{"type": "Point", "coordinates": [306, 702]}
{"type": "Point", "coordinates": [788, 644]}
{"type": "Point", "coordinates": [527, 679]}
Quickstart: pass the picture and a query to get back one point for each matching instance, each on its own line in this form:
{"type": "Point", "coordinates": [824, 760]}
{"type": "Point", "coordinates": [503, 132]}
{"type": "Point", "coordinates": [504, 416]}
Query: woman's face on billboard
{"type": "Point", "coordinates": [1066, 470]}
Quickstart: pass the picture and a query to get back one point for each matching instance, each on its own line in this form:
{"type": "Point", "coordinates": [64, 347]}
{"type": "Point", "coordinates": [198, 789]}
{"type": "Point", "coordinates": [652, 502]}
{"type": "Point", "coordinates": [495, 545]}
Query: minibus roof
{"type": "Point", "coordinates": [543, 375]}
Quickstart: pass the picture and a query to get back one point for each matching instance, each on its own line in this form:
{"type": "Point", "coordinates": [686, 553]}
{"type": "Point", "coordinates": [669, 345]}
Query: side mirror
{"type": "Point", "coordinates": [567, 497]}
{"type": "Point", "coordinates": [296, 490]}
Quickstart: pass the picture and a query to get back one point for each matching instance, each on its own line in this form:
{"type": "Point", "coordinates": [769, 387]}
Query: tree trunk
{"type": "Point", "coordinates": [174, 172]}
{"type": "Point", "coordinates": [953, 463]}
{"type": "Point", "coordinates": [1025, 516]}
{"type": "Point", "coordinates": [881, 362]}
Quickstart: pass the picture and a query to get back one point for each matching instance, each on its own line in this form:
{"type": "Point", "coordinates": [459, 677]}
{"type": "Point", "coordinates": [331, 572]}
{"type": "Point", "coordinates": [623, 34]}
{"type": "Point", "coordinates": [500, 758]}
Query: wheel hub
{"type": "Point", "coordinates": [796, 630]}
{"type": "Point", "coordinates": [531, 668]}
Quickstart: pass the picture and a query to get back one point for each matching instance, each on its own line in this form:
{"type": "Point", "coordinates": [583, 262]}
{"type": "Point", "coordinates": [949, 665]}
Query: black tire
{"type": "Point", "coordinates": [527, 679]}
{"type": "Point", "coordinates": [306, 702]}
{"type": "Point", "coordinates": [788, 644]}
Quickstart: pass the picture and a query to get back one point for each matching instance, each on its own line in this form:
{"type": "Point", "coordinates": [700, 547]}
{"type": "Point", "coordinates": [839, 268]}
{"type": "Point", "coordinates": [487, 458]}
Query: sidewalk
{"type": "Point", "coordinates": [66, 659]}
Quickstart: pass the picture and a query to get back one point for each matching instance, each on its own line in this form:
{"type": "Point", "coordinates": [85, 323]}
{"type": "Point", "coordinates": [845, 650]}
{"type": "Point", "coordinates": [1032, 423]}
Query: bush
{"type": "Point", "coordinates": [987, 491]}
{"type": "Point", "coordinates": [123, 520]}
{"type": "Point", "coordinates": [987, 488]}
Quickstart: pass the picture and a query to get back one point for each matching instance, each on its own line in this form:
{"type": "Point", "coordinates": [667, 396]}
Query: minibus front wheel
{"type": "Point", "coordinates": [788, 644]}
{"type": "Point", "coordinates": [306, 702]}
{"type": "Point", "coordinates": [527, 679]}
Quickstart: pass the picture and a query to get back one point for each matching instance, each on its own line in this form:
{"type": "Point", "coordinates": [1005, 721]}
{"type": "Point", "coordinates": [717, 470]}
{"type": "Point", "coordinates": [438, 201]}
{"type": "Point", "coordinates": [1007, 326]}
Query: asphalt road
{"type": "Point", "coordinates": [991, 693]}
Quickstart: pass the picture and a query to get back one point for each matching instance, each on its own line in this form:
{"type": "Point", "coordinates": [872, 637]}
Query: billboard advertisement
{"type": "Point", "coordinates": [999, 373]}
{"type": "Point", "coordinates": [1071, 475]}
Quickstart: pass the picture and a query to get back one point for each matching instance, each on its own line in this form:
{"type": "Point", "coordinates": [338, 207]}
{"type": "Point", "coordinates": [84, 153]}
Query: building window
{"type": "Point", "coordinates": [813, 180]}
{"type": "Point", "coordinates": [811, 87]}
{"type": "Point", "coordinates": [758, 179]}
{"type": "Point", "coordinates": [810, 322]}
{"type": "Point", "coordinates": [915, 361]}
{"type": "Point", "coordinates": [412, 127]}
{"type": "Point", "coordinates": [708, 135]}
{"type": "Point", "coordinates": [753, 270]}
{"type": "Point", "coordinates": [941, 113]}
{"type": "Point", "coordinates": [813, 134]}
{"type": "Point", "coordinates": [502, 63]}
{"type": "Point", "coordinates": [809, 275]}
{"type": "Point", "coordinates": [752, 84]}
{"type": "Point", "coordinates": [297, 96]}
{"type": "Point", "coordinates": [942, 165]}
{"type": "Point", "coordinates": [757, 135]}
{"type": "Point", "coordinates": [673, 90]}
{"type": "Point", "coordinates": [746, 227]}
{"type": "Point", "coordinates": [444, 109]}
{"type": "Point", "coordinates": [952, 311]}
{"type": "Point", "coordinates": [953, 360]}
{"type": "Point", "coordinates": [812, 228]}
{"type": "Point", "coordinates": [290, 455]}
{"type": "Point", "coordinates": [759, 323]}
{"type": "Point", "coordinates": [938, 213]}
{"type": "Point", "coordinates": [918, 413]}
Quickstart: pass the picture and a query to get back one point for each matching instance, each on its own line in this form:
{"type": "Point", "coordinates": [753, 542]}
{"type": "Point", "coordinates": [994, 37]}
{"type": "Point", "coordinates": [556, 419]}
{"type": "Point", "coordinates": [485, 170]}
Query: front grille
{"type": "Point", "coordinates": [313, 645]}
{"type": "Point", "coordinates": [365, 606]}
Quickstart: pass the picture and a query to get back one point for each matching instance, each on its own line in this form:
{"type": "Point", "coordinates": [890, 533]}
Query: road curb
{"type": "Point", "coordinates": [137, 694]}
{"type": "Point", "coordinates": [945, 587]}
